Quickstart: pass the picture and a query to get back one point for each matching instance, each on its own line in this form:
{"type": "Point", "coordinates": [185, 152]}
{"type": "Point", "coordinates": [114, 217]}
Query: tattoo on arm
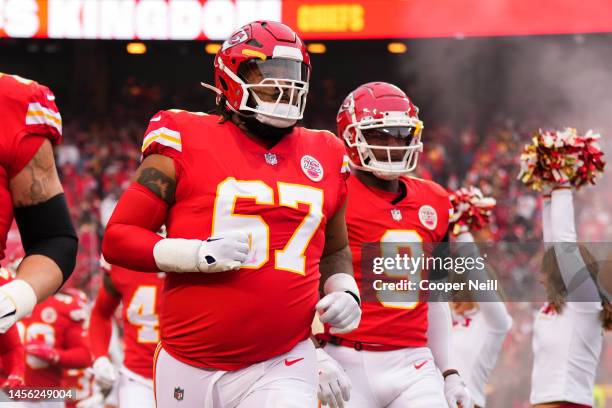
{"type": "Point", "coordinates": [160, 184]}
{"type": "Point", "coordinates": [38, 181]}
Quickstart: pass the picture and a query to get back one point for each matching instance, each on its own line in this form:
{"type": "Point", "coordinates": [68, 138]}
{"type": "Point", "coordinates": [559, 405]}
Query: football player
{"type": "Point", "coordinates": [568, 330]}
{"type": "Point", "coordinates": [140, 294]}
{"type": "Point", "coordinates": [55, 339]}
{"type": "Point", "coordinates": [393, 358]}
{"type": "Point", "coordinates": [254, 208]}
{"type": "Point", "coordinates": [30, 192]}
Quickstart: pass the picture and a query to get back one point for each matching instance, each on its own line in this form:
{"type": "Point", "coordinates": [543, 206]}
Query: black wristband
{"type": "Point", "coordinates": [354, 297]}
{"type": "Point", "coordinates": [449, 372]}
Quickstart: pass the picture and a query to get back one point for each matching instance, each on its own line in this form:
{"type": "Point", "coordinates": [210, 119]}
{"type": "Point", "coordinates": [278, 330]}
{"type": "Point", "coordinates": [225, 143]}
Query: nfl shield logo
{"type": "Point", "coordinates": [179, 393]}
{"type": "Point", "coordinates": [396, 214]}
{"type": "Point", "coordinates": [271, 159]}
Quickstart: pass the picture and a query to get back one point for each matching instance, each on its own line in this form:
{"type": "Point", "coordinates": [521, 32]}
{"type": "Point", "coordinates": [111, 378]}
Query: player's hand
{"type": "Point", "coordinates": [341, 311]}
{"type": "Point", "coordinates": [334, 384]}
{"type": "Point", "coordinates": [457, 394]}
{"type": "Point", "coordinates": [104, 373]}
{"type": "Point", "coordinates": [8, 312]}
{"type": "Point", "coordinates": [226, 253]}
{"type": "Point", "coordinates": [95, 401]}
{"type": "Point", "coordinates": [43, 351]}
{"type": "Point", "coordinates": [13, 381]}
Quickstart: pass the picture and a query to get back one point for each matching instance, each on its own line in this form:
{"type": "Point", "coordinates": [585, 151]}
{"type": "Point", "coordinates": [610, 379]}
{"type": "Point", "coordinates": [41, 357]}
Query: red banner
{"type": "Point", "coordinates": [313, 19]}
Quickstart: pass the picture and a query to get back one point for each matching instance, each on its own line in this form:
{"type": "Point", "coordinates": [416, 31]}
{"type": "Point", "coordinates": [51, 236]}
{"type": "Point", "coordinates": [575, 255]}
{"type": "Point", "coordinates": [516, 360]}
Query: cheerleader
{"type": "Point", "coordinates": [479, 330]}
{"type": "Point", "coordinates": [568, 330]}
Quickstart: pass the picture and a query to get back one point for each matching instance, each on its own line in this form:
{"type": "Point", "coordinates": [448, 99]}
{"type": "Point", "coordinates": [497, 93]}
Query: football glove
{"type": "Point", "coordinates": [334, 383]}
{"type": "Point", "coordinates": [216, 254]}
{"type": "Point", "coordinates": [457, 394]}
{"type": "Point", "coordinates": [17, 299]}
{"type": "Point", "coordinates": [341, 311]}
{"type": "Point", "coordinates": [43, 352]}
{"type": "Point", "coordinates": [104, 373]}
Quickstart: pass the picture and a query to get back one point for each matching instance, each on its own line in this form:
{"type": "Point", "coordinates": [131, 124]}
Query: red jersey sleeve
{"type": "Point", "coordinates": [74, 352]}
{"type": "Point", "coordinates": [100, 324]}
{"type": "Point", "coordinates": [30, 116]}
{"type": "Point", "coordinates": [163, 136]}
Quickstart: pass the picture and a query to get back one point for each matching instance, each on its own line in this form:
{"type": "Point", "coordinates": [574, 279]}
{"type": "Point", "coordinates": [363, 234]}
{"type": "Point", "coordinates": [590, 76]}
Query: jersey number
{"type": "Point", "coordinates": [141, 313]}
{"type": "Point", "coordinates": [410, 242]}
{"type": "Point", "coordinates": [33, 332]}
{"type": "Point", "coordinates": [291, 258]}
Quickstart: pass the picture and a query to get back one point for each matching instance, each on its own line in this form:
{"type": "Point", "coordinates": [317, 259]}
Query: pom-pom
{"type": "Point", "coordinates": [471, 210]}
{"type": "Point", "coordinates": [558, 157]}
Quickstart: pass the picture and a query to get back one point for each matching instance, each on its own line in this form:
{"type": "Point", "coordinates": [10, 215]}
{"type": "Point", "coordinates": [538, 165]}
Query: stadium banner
{"type": "Point", "coordinates": [312, 19]}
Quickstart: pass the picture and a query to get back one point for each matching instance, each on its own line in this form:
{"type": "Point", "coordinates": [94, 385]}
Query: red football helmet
{"type": "Point", "coordinates": [381, 129]}
{"type": "Point", "coordinates": [264, 68]}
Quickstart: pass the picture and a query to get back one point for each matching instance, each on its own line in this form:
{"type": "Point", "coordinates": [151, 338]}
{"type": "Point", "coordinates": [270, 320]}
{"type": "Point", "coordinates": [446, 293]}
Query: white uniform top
{"type": "Point", "coordinates": [566, 346]}
{"type": "Point", "coordinates": [479, 334]}
{"type": "Point", "coordinates": [478, 337]}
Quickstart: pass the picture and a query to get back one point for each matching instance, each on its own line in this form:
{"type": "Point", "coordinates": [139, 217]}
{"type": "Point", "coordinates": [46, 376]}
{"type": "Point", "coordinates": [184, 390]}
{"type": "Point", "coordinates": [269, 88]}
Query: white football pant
{"type": "Point", "coordinates": [289, 380]}
{"type": "Point", "coordinates": [406, 378]}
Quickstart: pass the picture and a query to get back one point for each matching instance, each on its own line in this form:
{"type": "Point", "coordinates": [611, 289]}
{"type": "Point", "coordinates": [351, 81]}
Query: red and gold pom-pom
{"type": "Point", "coordinates": [471, 210]}
{"type": "Point", "coordinates": [557, 157]}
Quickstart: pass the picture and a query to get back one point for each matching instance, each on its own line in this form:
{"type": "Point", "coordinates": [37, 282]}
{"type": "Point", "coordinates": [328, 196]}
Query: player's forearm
{"type": "Point", "coordinates": [100, 324]}
{"type": "Point", "coordinates": [337, 262]}
{"type": "Point", "coordinates": [78, 357]}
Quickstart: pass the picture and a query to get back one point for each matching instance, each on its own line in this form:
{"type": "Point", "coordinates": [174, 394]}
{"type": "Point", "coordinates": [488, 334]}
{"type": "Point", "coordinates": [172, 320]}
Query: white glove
{"type": "Point", "coordinates": [457, 394]}
{"type": "Point", "coordinates": [341, 311]}
{"type": "Point", "coordinates": [17, 299]}
{"type": "Point", "coordinates": [104, 373]}
{"type": "Point", "coordinates": [216, 254]}
{"type": "Point", "coordinates": [95, 401]}
{"type": "Point", "coordinates": [334, 384]}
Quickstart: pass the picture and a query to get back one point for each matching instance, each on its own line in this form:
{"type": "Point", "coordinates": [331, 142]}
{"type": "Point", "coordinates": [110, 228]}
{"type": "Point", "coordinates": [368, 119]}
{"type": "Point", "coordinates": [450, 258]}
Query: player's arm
{"type": "Point", "coordinates": [101, 331]}
{"type": "Point", "coordinates": [131, 241]}
{"type": "Point", "coordinates": [73, 354]}
{"type": "Point", "coordinates": [48, 236]}
{"type": "Point", "coordinates": [13, 359]}
{"type": "Point", "coordinates": [340, 303]}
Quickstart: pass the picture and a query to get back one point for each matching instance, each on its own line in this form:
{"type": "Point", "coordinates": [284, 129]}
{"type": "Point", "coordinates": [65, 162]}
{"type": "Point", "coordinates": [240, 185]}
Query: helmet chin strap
{"type": "Point", "coordinates": [275, 122]}
{"type": "Point", "coordinates": [383, 175]}
{"type": "Point", "coordinates": [263, 130]}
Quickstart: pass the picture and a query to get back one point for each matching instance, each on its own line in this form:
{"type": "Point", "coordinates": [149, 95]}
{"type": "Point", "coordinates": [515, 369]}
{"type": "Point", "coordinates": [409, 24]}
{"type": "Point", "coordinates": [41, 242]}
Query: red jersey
{"type": "Point", "coordinates": [421, 216]}
{"type": "Point", "coordinates": [11, 347]}
{"type": "Point", "coordinates": [59, 321]}
{"type": "Point", "coordinates": [81, 381]}
{"type": "Point", "coordinates": [141, 297]}
{"type": "Point", "coordinates": [29, 115]}
{"type": "Point", "coordinates": [282, 197]}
